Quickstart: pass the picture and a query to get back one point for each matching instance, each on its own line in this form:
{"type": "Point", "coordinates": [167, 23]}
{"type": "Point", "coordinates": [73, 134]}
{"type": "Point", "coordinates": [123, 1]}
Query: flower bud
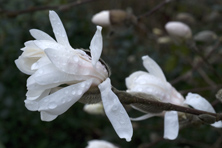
{"type": "Point", "coordinates": [185, 17]}
{"type": "Point", "coordinates": [95, 109]}
{"type": "Point", "coordinates": [178, 30]}
{"type": "Point", "coordinates": [205, 36]}
{"type": "Point", "coordinates": [114, 18]}
{"type": "Point", "coordinates": [100, 144]}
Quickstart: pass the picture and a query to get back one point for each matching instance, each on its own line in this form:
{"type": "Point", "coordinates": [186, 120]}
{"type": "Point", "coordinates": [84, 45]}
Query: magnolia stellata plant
{"type": "Point", "coordinates": [61, 76]}
{"type": "Point", "coordinates": [52, 63]}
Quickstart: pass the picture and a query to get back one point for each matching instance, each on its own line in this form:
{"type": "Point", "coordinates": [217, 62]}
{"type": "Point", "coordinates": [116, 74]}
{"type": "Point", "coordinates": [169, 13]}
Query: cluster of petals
{"type": "Point", "coordinates": [60, 75]}
{"type": "Point", "coordinates": [154, 83]}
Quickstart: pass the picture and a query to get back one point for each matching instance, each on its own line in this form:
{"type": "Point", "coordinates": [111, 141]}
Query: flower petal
{"type": "Point", "coordinates": [40, 35]}
{"type": "Point", "coordinates": [171, 125]}
{"type": "Point", "coordinates": [115, 111]}
{"type": "Point", "coordinates": [96, 46]}
{"type": "Point", "coordinates": [60, 101]}
{"type": "Point", "coordinates": [200, 103]}
{"type": "Point", "coordinates": [44, 44]}
{"type": "Point", "coordinates": [69, 62]}
{"type": "Point", "coordinates": [58, 29]}
{"type": "Point", "coordinates": [24, 65]}
{"type": "Point", "coordinates": [153, 68]}
{"type": "Point", "coordinates": [40, 63]}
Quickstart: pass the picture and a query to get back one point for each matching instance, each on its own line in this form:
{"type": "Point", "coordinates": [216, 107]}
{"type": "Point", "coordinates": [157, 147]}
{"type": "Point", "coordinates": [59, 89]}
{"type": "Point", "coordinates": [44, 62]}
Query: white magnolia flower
{"type": "Point", "coordinates": [155, 83]}
{"type": "Point", "coordinates": [178, 30]}
{"type": "Point", "coordinates": [100, 144]}
{"type": "Point", "coordinates": [52, 63]}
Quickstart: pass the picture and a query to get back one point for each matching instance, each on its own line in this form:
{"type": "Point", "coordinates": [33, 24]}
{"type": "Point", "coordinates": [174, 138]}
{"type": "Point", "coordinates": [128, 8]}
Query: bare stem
{"type": "Point", "coordinates": [128, 99]}
{"type": "Point", "coordinates": [41, 8]}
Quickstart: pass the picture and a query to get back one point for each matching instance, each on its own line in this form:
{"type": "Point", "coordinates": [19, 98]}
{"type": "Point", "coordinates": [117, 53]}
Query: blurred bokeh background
{"type": "Point", "coordinates": [123, 49]}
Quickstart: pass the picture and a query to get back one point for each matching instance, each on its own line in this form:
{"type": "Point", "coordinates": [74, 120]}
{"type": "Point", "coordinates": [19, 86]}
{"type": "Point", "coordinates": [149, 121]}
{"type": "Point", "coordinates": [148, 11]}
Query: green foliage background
{"type": "Point", "coordinates": [21, 128]}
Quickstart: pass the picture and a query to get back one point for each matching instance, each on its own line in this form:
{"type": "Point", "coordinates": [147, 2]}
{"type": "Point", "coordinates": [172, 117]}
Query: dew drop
{"type": "Point", "coordinates": [73, 92]}
{"type": "Point", "coordinates": [122, 122]}
{"type": "Point", "coordinates": [66, 92]}
{"type": "Point", "coordinates": [40, 71]}
{"type": "Point", "coordinates": [52, 105]}
{"type": "Point", "coordinates": [83, 85]}
{"type": "Point", "coordinates": [114, 108]}
{"type": "Point", "coordinates": [79, 92]}
{"type": "Point", "coordinates": [75, 58]}
{"type": "Point", "coordinates": [63, 101]}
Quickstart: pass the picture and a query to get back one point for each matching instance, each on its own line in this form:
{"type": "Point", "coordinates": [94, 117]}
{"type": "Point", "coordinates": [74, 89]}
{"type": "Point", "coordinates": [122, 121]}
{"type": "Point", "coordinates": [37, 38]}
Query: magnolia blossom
{"type": "Point", "coordinates": [53, 63]}
{"type": "Point", "coordinates": [178, 30]}
{"type": "Point", "coordinates": [154, 83]}
{"type": "Point", "coordinates": [100, 144]}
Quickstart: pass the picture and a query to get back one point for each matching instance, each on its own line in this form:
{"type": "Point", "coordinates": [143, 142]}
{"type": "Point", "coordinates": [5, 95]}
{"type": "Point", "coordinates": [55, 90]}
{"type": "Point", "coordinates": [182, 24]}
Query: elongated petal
{"type": "Point", "coordinates": [200, 103]}
{"type": "Point", "coordinates": [96, 46]}
{"type": "Point", "coordinates": [58, 29]}
{"type": "Point", "coordinates": [44, 44]}
{"type": "Point", "coordinates": [68, 62]}
{"type": "Point", "coordinates": [60, 101]}
{"type": "Point", "coordinates": [144, 117]}
{"type": "Point", "coordinates": [171, 125]}
{"type": "Point", "coordinates": [153, 67]}
{"type": "Point", "coordinates": [40, 35]}
{"type": "Point", "coordinates": [115, 111]}
{"type": "Point", "coordinates": [40, 63]}
{"type": "Point", "coordinates": [24, 65]}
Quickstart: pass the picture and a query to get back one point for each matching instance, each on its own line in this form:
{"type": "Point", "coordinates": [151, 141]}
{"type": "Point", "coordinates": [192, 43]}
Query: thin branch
{"type": "Point", "coordinates": [188, 74]}
{"type": "Point", "coordinates": [41, 8]}
{"type": "Point", "coordinates": [128, 99]}
{"type": "Point", "coordinates": [156, 8]}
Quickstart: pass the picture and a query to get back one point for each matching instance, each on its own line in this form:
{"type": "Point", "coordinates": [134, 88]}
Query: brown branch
{"type": "Point", "coordinates": [156, 8]}
{"type": "Point", "coordinates": [188, 74]}
{"type": "Point", "coordinates": [41, 8]}
{"type": "Point", "coordinates": [128, 99]}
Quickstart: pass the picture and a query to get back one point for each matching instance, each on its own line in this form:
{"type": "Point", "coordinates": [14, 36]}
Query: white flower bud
{"type": "Point", "coordinates": [100, 144]}
{"type": "Point", "coordinates": [102, 18]}
{"type": "Point", "coordinates": [178, 30]}
{"type": "Point", "coordinates": [205, 36]}
{"type": "Point", "coordinates": [95, 109]}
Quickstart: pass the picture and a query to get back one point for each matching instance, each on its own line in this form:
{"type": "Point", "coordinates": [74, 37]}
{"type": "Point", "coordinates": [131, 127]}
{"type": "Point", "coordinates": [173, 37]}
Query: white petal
{"type": "Point", "coordinates": [200, 103]}
{"type": "Point", "coordinates": [153, 67]}
{"type": "Point", "coordinates": [40, 63]}
{"type": "Point", "coordinates": [49, 74]}
{"type": "Point", "coordinates": [60, 101]}
{"type": "Point", "coordinates": [44, 44]}
{"type": "Point", "coordinates": [171, 125]}
{"type": "Point", "coordinates": [68, 62]}
{"type": "Point", "coordinates": [131, 79]}
{"type": "Point", "coordinates": [47, 116]}
{"type": "Point", "coordinates": [24, 65]}
{"type": "Point", "coordinates": [115, 111]}
{"type": "Point", "coordinates": [96, 46]}
{"type": "Point", "coordinates": [144, 117]}
{"type": "Point", "coordinates": [58, 29]}
{"type": "Point", "coordinates": [40, 35]}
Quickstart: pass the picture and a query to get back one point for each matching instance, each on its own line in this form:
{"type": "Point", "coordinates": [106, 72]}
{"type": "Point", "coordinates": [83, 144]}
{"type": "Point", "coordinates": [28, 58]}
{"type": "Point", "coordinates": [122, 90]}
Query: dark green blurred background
{"type": "Point", "coordinates": [20, 128]}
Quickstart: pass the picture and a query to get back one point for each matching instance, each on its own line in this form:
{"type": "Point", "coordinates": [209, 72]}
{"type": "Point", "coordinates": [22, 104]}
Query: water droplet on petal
{"type": "Point", "coordinates": [75, 58]}
{"type": "Point", "coordinates": [79, 92]}
{"type": "Point", "coordinates": [40, 71]}
{"type": "Point", "coordinates": [122, 122]}
{"type": "Point", "coordinates": [66, 92]}
{"type": "Point", "coordinates": [52, 105]}
{"type": "Point", "coordinates": [114, 108]}
{"type": "Point", "coordinates": [73, 92]}
{"type": "Point", "coordinates": [83, 85]}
